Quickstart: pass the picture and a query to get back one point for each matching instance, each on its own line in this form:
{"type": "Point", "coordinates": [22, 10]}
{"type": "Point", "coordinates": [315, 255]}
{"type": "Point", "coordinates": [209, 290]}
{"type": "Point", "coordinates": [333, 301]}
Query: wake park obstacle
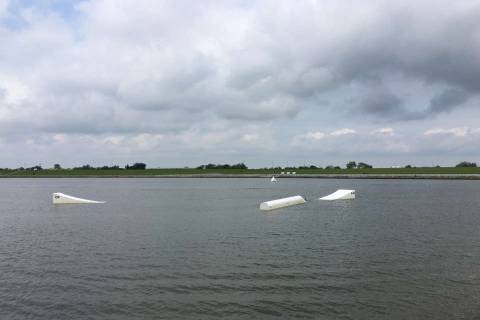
{"type": "Point", "coordinates": [281, 203]}
{"type": "Point", "coordinates": [61, 198]}
{"type": "Point", "coordinates": [340, 194]}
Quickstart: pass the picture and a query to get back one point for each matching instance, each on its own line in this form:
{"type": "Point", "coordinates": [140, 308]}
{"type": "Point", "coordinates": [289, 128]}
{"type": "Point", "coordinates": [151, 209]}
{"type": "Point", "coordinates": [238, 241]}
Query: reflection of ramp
{"type": "Point", "coordinates": [61, 198]}
{"type": "Point", "coordinates": [281, 203]}
{"type": "Point", "coordinates": [340, 194]}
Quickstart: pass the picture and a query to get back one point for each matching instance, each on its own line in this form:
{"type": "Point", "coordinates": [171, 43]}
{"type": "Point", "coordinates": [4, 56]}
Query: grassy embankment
{"type": "Point", "coordinates": [159, 172]}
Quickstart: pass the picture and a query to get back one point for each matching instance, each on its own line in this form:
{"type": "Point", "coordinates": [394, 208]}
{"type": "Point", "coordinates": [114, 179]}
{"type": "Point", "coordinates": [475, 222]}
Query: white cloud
{"type": "Point", "coordinates": [342, 132]}
{"type": "Point", "coordinates": [317, 135]}
{"type": "Point", "coordinates": [314, 136]}
{"type": "Point", "coordinates": [457, 132]}
{"type": "Point", "coordinates": [249, 137]}
{"type": "Point", "coordinates": [383, 132]}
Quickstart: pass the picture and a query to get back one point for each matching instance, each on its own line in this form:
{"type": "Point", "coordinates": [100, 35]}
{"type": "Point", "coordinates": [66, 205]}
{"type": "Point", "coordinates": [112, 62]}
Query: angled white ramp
{"type": "Point", "coordinates": [281, 203]}
{"type": "Point", "coordinates": [61, 198]}
{"type": "Point", "coordinates": [340, 194]}
{"type": "Point", "coordinates": [273, 179]}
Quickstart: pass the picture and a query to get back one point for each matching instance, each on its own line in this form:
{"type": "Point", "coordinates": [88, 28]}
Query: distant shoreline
{"type": "Point", "coordinates": [265, 176]}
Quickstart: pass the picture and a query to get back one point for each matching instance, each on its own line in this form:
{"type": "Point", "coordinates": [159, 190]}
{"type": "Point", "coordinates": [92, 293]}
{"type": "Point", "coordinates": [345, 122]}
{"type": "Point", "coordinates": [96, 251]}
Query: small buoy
{"type": "Point", "coordinates": [61, 198]}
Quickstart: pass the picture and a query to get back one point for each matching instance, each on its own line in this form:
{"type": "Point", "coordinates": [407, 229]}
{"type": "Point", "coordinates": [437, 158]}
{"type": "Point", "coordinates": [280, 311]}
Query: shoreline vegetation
{"type": "Point", "coordinates": [466, 173]}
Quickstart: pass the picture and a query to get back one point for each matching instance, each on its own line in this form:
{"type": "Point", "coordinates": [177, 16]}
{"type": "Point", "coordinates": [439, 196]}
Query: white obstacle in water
{"type": "Point", "coordinates": [281, 203]}
{"type": "Point", "coordinates": [61, 198]}
{"type": "Point", "coordinates": [273, 179]}
{"type": "Point", "coordinates": [340, 194]}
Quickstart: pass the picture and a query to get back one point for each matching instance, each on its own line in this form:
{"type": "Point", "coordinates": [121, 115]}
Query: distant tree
{"type": "Point", "coordinates": [56, 166]}
{"type": "Point", "coordinates": [239, 166]}
{"type": "Point", "coordinates": [351, 165]}
{"type": "Point", "coordinates": [136, 166]}
{"type": "Point", "coordinates": [313, 167]}
{"type": "Point", "coordinates": [84, 167]}
{"type": "Point", "coordinates": [362, 165]}
{"type": "Point", "coordinates": [115, 167]}
{"type": "Point", "coordinates": [466, 164]}
{"type": "Point", "coordinates": [223, 166]}
{"type": "Point", "coordinates": [408, 166]}
{"type": "Point", "coordinates": [337, 167]}
{"type": "Point", "coordinates": [329, 167]}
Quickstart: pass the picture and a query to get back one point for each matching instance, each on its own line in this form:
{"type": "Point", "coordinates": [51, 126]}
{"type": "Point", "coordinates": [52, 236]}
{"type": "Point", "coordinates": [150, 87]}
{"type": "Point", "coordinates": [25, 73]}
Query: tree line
{"type": "Point", "coordinates": [466, 164]}
{"type": "Point", "coordinates": [56, 166]}
{"type": "Point", "coordinates": [135, 166]}
{"type": "Point", "coordinates": [210, 166]}
{"type": "Point", "coordinates": [360, 165]}
{"type": "Point", "coordinates": [222, 166]}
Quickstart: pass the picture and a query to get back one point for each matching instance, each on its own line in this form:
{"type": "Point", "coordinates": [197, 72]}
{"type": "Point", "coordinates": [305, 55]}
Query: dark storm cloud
{"type": "Point", "coordinates": [384, 105]}
{"type": "Point", "coordinates": [448, 100]}
{"type": "Point", "coordinates": [439, 47]}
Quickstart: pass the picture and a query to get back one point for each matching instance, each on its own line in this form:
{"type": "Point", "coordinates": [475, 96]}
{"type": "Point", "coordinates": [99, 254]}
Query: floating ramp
{"type": "Point", "coordinates": [61, 198]}
{"type": "Point", "coordinates": [273, 179]}
{"type": "Point", "coordinates": [281, 203]}
{"type": "Point", "coordinates": [340, 194]}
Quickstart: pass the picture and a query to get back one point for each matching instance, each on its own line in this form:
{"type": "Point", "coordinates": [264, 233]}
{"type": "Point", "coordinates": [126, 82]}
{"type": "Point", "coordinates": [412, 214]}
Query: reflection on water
{"type": "Point", "coordinates": [200, 248]}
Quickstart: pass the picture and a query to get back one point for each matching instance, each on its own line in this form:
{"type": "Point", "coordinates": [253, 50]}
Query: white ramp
{"type": "Point", "coordinates": [273, 179]}
{"type": "Point", "coordinates": [61, 198]}
{"type": "Point", "coordinates": [340, 194]}
{"type": "Point", "coordinates": [281, 203]}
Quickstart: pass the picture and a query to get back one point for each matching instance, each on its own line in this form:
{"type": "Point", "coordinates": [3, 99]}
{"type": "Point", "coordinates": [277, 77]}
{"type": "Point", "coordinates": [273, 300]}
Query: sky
{"type": "Point", "coordinates": [268, 83]}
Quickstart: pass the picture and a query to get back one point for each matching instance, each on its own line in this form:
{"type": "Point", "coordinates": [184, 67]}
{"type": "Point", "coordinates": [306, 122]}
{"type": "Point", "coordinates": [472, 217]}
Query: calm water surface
{"type": "Point", "coordinates": [201, 249]}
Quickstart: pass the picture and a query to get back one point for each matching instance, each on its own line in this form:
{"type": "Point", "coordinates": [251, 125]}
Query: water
{"type": "Point", "coordinates": [201, 249]}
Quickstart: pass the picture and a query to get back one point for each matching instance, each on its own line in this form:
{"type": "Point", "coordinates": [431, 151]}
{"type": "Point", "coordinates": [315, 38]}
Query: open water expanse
{"type": "Point", "coordinates": [201, 249]}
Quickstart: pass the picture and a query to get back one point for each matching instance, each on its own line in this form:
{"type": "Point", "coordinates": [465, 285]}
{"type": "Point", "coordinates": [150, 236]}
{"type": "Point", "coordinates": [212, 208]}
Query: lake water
{"type": "Point", "coordinates": [201, 249]}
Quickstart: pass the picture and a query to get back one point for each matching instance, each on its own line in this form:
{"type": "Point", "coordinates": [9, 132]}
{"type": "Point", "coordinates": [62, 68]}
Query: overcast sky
{"type": "Point", "coordinates": [184, 83]}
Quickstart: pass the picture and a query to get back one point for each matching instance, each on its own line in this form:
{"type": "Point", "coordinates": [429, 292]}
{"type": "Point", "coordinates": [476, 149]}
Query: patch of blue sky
{"type": "Point", "coordinates": [15, 16]}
